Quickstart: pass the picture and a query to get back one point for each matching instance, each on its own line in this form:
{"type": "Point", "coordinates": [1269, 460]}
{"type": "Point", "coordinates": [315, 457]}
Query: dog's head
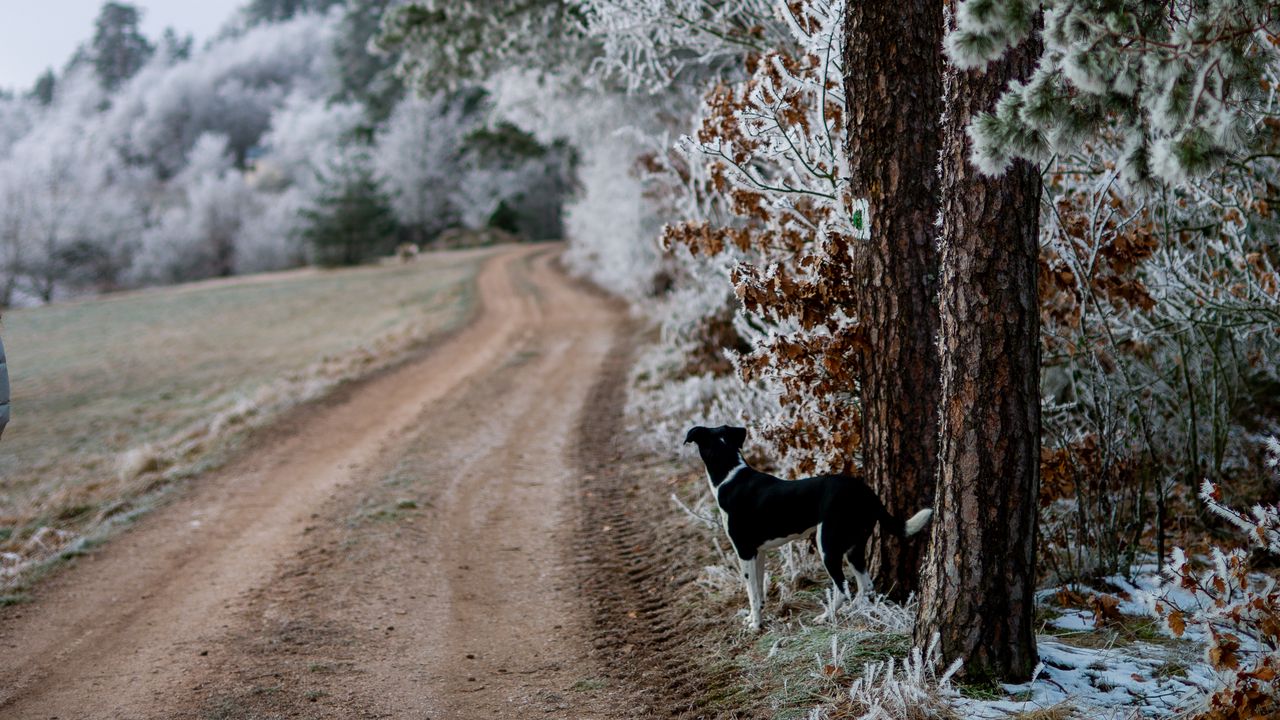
{"type": "Point", "coordinates": [723, 437]}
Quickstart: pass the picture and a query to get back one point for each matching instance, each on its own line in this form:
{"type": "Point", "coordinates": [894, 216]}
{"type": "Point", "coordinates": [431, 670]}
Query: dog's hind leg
{"type": "Point", "coordinates": [752, 575]}
{"type": "Point", "coordinates": [831, 546]}
{"type": "Point", "coordinates": [858, 559]}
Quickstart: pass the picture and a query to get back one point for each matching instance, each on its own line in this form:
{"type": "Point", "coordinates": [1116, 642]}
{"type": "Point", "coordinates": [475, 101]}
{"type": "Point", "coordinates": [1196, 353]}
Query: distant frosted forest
{"type": "Point", "coordinates": [284, 140]}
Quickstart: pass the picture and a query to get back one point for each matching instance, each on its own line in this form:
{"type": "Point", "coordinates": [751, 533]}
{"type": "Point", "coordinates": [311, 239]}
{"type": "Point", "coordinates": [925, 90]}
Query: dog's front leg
{"type": "Point", "coordinates": [756, 581]}
{"type": "Point", "coordinates": [751, 575]}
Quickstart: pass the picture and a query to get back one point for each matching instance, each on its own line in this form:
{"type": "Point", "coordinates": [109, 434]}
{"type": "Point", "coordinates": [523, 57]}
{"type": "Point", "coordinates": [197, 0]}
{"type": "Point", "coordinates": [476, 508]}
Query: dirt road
{"type": "Point", "coordinates": [404, 550]}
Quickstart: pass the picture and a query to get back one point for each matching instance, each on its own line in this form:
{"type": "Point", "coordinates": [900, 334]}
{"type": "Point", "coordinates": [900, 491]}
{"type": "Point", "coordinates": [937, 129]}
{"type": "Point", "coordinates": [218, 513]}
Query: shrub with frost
{"type": "Point", "coordinates": [1157, 319]}
{"type": "Point", "coordinates": [271, 238]}
{"type": "Point", "coordinates": [773, 157]}
{"type": "Point", "coordinates": [1235, 608]}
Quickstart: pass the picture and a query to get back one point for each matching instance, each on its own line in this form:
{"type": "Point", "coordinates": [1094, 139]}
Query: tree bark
{"type": "Point", "coordinates": [893, 92]}
{"type": "Point", "coordinates": [979, 579]}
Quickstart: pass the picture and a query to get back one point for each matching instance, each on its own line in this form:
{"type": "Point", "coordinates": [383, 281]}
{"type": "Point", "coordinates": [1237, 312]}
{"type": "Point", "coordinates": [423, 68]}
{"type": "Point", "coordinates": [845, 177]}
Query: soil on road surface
{"type": "Point", "coordinates": [412, 547]}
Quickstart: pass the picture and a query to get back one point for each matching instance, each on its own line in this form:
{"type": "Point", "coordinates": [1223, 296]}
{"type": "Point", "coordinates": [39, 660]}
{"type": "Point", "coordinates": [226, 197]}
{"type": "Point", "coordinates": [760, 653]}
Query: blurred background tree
{"type": "Point", "coordinates": [351, 220]}
{"type": "Point", "coordinates": [119, 49]}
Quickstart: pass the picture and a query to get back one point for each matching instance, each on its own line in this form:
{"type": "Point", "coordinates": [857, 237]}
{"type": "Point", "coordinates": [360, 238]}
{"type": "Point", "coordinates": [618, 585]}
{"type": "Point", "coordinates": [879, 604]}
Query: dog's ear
{"type": "Point", "coordinates": [695, 434]}
{"type": "Point", "coordinates": [737, 436]}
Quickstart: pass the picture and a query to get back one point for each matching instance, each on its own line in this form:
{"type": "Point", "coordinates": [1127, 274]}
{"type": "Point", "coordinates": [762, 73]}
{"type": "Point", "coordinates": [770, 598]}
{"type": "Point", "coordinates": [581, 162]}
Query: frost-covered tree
{"type": "Point", "coordinates": [230, 88]}
{"type": "Point", "coordinates": [442, 44]}
{"type": "Point", "coordinates": [50, 226]}
{"type": "Point", "coordinates": [13, 236]}
{"type": "Point", "coordinates": [1182, 85]}
{"type": "Point", "coordinates": [1159, 124]}
{"type": "Point", "coordinates": [456, 157]}
{"type": "Point", "coordinates": [17, 116]}
{"type": "Point", "coordinates": [79, 207]}
{"type": "Point", "coordinates": [367, 75]}
{"type": "Point", "coordinates": [419, 153]}
{"type": "Point", "coordinates": [271, 239]}
{"type": "Point", "coordinates": [306, 132]}
{"type": "Point", "coordinates": [119, 49]}
{"type": "Point", "coordinates": [198, 233]}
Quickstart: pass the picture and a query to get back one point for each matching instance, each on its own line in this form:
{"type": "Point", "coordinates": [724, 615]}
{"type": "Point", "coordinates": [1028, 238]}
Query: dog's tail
{"type": "Point", "coordinates": [913, 525]}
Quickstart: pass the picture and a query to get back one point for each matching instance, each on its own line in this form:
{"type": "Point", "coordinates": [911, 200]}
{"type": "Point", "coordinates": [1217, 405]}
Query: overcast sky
{"type": "Point", "coordinates": [38, 34]}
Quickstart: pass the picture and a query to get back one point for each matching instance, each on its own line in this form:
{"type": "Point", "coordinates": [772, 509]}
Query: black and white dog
{"type": "Point", "coordinates": [761, 512]}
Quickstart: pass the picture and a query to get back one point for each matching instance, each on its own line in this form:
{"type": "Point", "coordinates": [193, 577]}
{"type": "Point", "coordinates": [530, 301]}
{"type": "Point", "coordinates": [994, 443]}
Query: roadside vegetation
{"type": "Point", "coordinates": [120, 397]}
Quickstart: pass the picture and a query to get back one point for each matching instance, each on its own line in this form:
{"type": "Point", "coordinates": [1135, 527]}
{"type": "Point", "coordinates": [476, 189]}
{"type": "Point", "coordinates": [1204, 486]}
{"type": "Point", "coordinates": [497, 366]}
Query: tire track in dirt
{"type": "Point", "coordinates": [637, 559]}
{"type": "Point", "coordinates": [471, 534]}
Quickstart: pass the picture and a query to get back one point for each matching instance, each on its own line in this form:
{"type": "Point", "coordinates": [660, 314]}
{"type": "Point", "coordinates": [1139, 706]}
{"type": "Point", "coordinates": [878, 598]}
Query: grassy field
{"type": "Point", "coordinates": [115, 397]}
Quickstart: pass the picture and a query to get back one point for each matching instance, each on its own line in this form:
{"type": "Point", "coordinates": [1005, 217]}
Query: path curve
{"type": "Point", "coordinates": [464, 607]}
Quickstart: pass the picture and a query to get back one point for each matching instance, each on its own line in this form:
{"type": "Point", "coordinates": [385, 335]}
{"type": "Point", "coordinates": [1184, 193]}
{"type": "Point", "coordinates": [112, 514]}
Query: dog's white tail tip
{"type": "Point", "coordinates": [918, 521]}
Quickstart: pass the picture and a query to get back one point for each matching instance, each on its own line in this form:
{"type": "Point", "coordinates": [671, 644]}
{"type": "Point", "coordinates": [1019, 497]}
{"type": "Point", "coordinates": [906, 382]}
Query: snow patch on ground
{"type": "Point", "coordinates": [1138, 680]}
{"type": "Point", "coordinates": [1116, 680]}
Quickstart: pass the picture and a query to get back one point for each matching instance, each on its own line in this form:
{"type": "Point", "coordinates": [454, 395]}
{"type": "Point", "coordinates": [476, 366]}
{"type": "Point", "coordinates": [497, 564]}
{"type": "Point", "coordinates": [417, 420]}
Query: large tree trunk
{"type": "Point", "coordinates": [893, 89]}
{"type": "Point", "coordinates": [979, 579]}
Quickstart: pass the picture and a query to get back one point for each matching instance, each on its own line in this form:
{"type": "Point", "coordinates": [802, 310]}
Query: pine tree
{"type": "Point", "coordinates": [1183, 88]}
{"type": "Point", "coordinates": [1182, 83]}
{"type": "Point", "coordinates": [352, 219]}
{"type": "Point", "coordinates": [45, 87]}
{"type": "Point", "coordinates": [978, 592]}
{"type": "Point", "coordinates": [119, 48]}
{"type": "Point", "coordinates": [175, 48]}
{"type": "Point", "coordinates": [892, 146]}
